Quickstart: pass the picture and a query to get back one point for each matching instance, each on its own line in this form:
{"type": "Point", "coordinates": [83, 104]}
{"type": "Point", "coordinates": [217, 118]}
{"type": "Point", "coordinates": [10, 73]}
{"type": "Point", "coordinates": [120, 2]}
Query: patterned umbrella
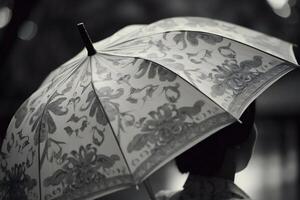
{"type": "Point", "coordinates": [107, 121]}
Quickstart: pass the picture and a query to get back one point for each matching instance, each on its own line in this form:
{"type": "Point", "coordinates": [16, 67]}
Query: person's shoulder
{"type": "Point", "coordinates": [167, 195]}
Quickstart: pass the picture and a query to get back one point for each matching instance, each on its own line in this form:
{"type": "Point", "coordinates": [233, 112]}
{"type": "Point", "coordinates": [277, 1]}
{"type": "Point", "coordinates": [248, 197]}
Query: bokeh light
{"type": "Point", "coordinates": [5, 16]}
{"type": "Point", "coordinates": [28, 30]}
{"type": "Point", "coordinates": [281, 7]}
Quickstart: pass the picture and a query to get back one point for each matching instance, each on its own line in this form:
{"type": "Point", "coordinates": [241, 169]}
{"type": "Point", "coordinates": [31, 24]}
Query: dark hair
{"type": "Point", "coordinates": [206, 157]}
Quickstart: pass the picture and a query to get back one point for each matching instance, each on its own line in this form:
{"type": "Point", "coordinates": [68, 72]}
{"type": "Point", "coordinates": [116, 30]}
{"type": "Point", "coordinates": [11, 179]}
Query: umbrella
{"type": "Point", "coordinates": [106, 121]}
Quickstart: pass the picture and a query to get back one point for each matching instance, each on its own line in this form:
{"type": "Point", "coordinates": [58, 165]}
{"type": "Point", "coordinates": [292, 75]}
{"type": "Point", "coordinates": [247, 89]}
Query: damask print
{"type": "Point", "coordinates": [172, 93]}
{"type": "Point", "coordinates": [94, 108]}
{"type": "Point", "coordinates": [109, 99]}
{"type": "Point", "coordinates": [68, 71]}
{"type": "Point", "coordinates": [21, 114]}
{"type": "Point", "coordinates": [226, 51]}
{"type": "Point", "coordinates": [10, 142]}
{"type": "Point", "coordinates": [42, 121]}
{"type": "Point", "coordinates": [143, 93]}
{"type": "Point", "coordinates": [53, 151]}
{"type": "Point", "coordinates": [191, 38]}
{"type": "Point", "coordinates": [162, 49]}
{"type": "Point", "coordinates": [17, 141]}
{"type": "Point", "coordinates": [98, 135]}
{"type": "Point", "coordinates": [83, 120]}
{"type": "Point", "coordinates": [106, 95]}
{"type": "Point", "coordinates": [199, 57]}
{"type": "Point", "coordinates": [154, 70]}
{"type": "Point", "coordinates": [16, 184]}
{"type": "Point", "coordinates": [72, 79]}
{"type": "Point", "coordinates": [232, 75]}
{"type": "Point", "coordinates": [80, 169]}
{"type": "Point", "coordinates": [35, 121]}
{"type": "Point", "coordinates": [164, 125]}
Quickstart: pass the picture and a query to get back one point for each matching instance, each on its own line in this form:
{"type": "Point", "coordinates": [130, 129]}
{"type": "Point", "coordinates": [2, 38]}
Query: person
{"type": "Point", "coordinates": [213, 162]}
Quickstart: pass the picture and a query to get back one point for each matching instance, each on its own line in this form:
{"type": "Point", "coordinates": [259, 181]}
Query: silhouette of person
{"type": "Point", "coordinates": [213, 162]}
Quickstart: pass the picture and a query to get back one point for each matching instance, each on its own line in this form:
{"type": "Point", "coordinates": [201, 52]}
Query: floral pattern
{"type": "Point", "coordinates": [102, 123]}
{"type": "Point", "coordinates": [21, 113]}
{"type": "Point", "coordinates": [42, 121]}
{"type": "Point", "coordinates": [234, 76]}
{"type": "Point", "coordinates": [16, 184]}
{"type": "Point", "coordinates": [80, 169]}
{"type": "Point", "coordinates": [153, 70]}
{"type": "Point", "coordinates": [95, 108]}
{"type": "Point", "coordinates": [192, 38]}
{"type": "Point", "coordinates": [106, 94]}
{"type": "Point", "coordinates": [223, 69]}
{"type": "Point", "coordinates": [234, 32]}
{"type": "Point", "coordinates": [163, 126]}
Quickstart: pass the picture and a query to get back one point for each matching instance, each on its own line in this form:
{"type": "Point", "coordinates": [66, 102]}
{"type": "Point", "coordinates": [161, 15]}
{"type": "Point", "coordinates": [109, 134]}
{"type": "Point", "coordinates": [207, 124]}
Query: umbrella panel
{"type": "Point", "coordinates": [228, 72]}
{"type": "Point", "coordinates": [153, 112]}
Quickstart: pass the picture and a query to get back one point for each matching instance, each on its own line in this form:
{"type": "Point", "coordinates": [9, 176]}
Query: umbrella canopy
{"type": "Point", "coordinates": [107, 121]}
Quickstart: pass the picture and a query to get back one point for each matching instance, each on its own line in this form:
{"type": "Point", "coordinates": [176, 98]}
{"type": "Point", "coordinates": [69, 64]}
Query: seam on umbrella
{"type": "Point", "coordinates": [182, 30]}
{"type": "Point", "coordinates": [70, 73]}
{"type": "Point", "coordinates": [63, 81]}
{"type": "Point", "coordinates": [70, 63]}
{"type": "Point", "coordinates": [94, 89]}
{"type": "Point", "coordinates": [179, 77]}
{"type": "Point", "coordinates": [40, 127]}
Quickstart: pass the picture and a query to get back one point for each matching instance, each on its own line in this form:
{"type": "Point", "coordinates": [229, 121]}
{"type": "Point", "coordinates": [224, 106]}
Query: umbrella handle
{"type": "Point", "coordinates": [149, 189]}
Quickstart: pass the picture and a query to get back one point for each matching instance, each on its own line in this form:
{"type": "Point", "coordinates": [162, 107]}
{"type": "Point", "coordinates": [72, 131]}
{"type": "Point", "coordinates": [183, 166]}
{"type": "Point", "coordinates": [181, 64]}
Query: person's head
{"type": "Point", "coordinates": [231, 146]}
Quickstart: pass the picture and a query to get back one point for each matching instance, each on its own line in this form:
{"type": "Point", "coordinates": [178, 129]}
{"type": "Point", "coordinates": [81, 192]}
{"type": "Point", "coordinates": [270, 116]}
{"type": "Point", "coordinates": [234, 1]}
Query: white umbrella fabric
{"type": "Point", "coordinates": [107, 121]}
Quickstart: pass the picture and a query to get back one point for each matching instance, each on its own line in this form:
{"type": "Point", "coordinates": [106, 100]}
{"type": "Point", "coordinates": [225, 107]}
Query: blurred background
{"type": "Point", "coordinates": [36, 36]}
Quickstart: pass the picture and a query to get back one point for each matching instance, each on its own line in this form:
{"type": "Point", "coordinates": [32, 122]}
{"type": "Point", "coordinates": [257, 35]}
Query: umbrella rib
{"type": "Point", "coordinates": [41, 161]}
{"type": "Point", "coordinates": [179, 77]}
{"type": "Point", "coordinates": [52, 73]}
{"type": "Point", "coordinates": [70, 73]}
{"type": "Point", "coordinates": [110, 125]}
{"type": "Point", "coordinates": [181, 30]}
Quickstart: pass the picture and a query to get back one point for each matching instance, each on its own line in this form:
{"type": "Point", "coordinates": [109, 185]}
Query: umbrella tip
{"type": "Point", "coordinates": [86, 39]}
